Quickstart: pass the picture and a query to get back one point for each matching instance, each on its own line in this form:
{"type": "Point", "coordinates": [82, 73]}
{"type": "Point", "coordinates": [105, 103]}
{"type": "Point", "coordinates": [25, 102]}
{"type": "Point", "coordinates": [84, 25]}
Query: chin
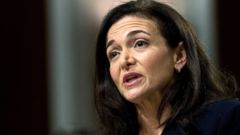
{"type": "Point", "coordinates": [133, 97]}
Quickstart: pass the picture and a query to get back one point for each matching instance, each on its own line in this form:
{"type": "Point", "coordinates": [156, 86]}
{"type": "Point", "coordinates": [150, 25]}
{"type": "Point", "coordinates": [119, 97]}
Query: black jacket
{"type": "Point", "coordinates": [220, 118]}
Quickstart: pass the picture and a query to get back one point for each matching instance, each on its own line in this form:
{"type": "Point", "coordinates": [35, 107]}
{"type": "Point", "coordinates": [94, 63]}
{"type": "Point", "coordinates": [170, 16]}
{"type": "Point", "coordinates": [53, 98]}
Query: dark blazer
{"type": "Point", "coordinates": [219, 118]}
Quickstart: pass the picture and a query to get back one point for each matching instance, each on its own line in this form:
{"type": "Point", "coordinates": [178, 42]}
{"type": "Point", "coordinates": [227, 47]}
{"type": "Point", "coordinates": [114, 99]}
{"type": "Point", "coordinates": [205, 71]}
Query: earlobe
{"type": "Point", "coordinates": [180, 57]}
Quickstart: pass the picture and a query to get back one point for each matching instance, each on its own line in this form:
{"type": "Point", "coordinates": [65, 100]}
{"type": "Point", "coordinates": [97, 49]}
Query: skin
{"type": "Point", "coordinates": [135, 47]}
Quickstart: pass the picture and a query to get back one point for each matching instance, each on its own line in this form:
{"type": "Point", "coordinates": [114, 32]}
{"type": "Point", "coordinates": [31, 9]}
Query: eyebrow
{"type": "Point", "coordinates": [130, 34]}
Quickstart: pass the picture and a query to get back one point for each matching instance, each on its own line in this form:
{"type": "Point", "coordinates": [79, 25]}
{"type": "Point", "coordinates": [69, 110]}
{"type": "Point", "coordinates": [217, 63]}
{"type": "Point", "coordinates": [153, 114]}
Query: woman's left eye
{"type": "Point", "coordinates": [140, 43]}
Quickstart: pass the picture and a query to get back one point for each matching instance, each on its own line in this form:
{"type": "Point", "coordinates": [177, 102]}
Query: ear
{"type": "Point", "coordinates": [180, 57]}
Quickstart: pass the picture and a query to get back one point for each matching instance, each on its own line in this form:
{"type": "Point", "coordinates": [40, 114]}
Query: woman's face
{"type": "Point", "coordinates": [141, 64]}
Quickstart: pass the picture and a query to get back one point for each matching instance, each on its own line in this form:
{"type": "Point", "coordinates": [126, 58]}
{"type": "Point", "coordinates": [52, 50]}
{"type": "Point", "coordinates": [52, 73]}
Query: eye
{"type": "Point", "coordinates": [140, 43]}
{"type": "Point", "coordinates": [113, 54]}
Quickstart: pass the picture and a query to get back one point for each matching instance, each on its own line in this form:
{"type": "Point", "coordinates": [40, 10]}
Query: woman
{"type": "Point", "coordinates": [153, 77]}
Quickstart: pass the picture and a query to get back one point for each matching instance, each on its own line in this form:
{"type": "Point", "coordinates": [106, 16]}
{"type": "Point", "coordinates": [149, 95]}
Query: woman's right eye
{"type": "Point", "coordinates": [113, 54]}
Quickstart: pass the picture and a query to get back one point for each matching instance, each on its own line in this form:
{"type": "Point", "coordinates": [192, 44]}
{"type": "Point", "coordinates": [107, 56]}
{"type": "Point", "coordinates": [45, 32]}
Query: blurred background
{"type": "Point", "coordinates": [50, 66]}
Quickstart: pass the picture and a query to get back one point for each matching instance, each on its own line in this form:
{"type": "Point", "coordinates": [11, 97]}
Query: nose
{"type": "Point", "coordinates": [127, 60]}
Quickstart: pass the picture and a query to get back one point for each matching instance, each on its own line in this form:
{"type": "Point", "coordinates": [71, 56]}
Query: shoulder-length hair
{"type": "Point", "coordinates": [198, 82]}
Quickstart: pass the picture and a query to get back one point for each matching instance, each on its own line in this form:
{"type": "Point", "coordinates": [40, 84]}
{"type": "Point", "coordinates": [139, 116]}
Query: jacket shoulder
{"type": "Point", "coordinates": [221, 118]}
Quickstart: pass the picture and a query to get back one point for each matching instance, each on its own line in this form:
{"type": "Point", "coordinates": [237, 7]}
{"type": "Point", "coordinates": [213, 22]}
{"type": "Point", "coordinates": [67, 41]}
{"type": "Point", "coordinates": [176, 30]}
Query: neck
{"type": "Point", "coordinates": [147, 116]}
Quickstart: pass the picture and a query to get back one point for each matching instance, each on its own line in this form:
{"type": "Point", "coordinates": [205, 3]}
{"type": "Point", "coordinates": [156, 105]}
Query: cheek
{"type": "Point", "coordinates": [151, 61]}
{"type": "Point", "coordinates": [157, 64]}
{"type": "Point", "coordinates": [114, 74]}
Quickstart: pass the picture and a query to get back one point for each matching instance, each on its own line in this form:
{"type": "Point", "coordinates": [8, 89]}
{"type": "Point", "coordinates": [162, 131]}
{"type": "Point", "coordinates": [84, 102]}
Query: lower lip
{"type": "Point", "coordinates": [133, 83]}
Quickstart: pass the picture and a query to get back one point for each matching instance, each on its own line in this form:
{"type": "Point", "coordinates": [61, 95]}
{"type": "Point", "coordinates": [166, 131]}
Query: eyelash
{"type": "Point", "coordinates": [114, 52]}
{"type": "Point", "coordinates": [143, 43]}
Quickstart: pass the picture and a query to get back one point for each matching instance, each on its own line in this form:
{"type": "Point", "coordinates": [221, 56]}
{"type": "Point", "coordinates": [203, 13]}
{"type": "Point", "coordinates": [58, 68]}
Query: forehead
{"type": "Point", "coordinates": [129, 23]}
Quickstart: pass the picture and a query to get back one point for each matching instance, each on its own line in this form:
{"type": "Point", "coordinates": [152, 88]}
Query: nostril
{"type": "Point", "coordinates": [127, 60]}
{"type": "Point", "coordinates": [128, 64]}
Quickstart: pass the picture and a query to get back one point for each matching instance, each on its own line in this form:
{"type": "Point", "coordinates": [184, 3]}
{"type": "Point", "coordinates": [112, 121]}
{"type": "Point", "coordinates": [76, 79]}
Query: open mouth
{"type": "Point", "coordinates": [131, 79]}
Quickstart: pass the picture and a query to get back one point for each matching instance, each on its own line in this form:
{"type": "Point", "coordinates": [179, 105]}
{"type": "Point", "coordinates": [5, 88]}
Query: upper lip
{"type": "Point", "coordinates": [127, 76]}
